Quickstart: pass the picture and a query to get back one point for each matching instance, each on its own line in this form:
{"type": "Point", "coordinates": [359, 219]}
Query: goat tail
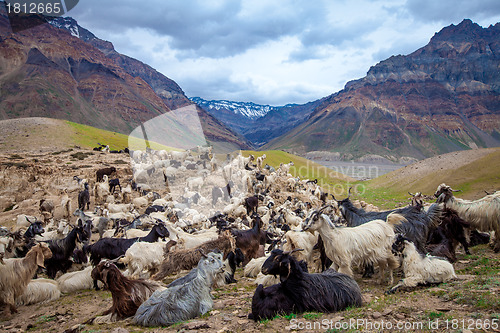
{"type": "Point", "coordinates": [395, 219]}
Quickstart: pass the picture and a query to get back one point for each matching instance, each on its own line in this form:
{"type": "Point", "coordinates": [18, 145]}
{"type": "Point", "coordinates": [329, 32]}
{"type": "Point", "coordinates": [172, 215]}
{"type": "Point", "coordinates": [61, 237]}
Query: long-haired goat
{"type": "Point", "coordinates": [482, 214]}
{"type": "Point", "coordinates": [127, 294]}
{"type": "Point", "coordinates": [365, 244]}
{"type": "Point", "coordinates": [188, 258]}
{"type": "Point", "coordinates": [16, 273]}
{"type": "Point", "coordinates": [75, 281]}
{"type": "Point", "coordinates": [300, 291]}
{"type": "Point", "coordinates": [39, 291]}
{"type": "Point", "coordinates": [143, 258]}
{"type": "Point", "coordinates": [181, 302]}
{"type": "Point", "coordinates": [418, 268]}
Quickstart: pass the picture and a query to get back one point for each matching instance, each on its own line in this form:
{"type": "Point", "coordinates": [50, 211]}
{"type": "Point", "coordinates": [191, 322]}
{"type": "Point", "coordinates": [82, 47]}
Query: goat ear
{"type": "Point", "coordinates": [39, 258]}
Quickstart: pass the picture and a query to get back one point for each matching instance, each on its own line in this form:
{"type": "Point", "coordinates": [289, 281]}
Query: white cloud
{"type": "Point", "coordinates": [271, 52]}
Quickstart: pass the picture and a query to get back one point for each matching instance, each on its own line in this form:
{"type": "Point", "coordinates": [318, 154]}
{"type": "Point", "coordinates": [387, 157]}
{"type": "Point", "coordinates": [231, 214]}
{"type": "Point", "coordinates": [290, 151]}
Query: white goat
{"type": "Point", "coordinates": [420, 269]}
{"type": "Point", "coordinates": [143, 258]}
{"type": "Point", "coordinates": [366, 244]}
{"type": "Point", "coordinates": [75, 281]}
{"type": "Point", "coordinates": [39, 291]}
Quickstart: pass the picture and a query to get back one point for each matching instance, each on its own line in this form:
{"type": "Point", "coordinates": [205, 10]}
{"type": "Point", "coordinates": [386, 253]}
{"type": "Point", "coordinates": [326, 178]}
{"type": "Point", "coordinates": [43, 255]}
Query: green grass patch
{"type": "Point", "coordinates": [81, 155]}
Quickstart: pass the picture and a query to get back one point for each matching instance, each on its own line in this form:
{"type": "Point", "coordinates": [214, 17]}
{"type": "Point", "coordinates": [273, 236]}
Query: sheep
{"type": "Point", "coordinates": [16, 273]}
{"type": "Point", "coordinates": [187, 258]}
{"type": "Point", "coordinates": [39, 291]}
{"type": "Point", "coordinates": [62, 249]}
{"type": "Point", "coordinates": [182, 302]}
{"type": "Point", "coordinates": [368, 243]}
{"type": "Point", "coordinates": [482, 214]}
{"type": "Point", "coordinates": [144, 256]}
{"type": "Point", "coordinates": [104, 171]}
{"type": "Point", "coordinates": [300, 291]}
{"type": "Point", "coordinates": [419, 269]}
{"type": "Point", "coordinates": [127, 294]}
{"type": "Point", "coordinates": [84, 198]}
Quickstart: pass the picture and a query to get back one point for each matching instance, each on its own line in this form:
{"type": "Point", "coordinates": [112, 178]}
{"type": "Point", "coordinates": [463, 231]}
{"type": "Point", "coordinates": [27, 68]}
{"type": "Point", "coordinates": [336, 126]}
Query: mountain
{"type": "Point", "coordinates": [257, 123]}
{"type": "Point", "coordinates": [61, 70]}
{"type": "Point", "coordinates": [441, 98]}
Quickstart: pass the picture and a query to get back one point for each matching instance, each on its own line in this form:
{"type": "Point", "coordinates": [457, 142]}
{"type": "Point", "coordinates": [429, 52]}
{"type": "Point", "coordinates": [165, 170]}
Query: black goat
{"type": "Point", "coordinates": [251, 204]}
{"type": "Point", "coordinates": [27, 242]}
{"type": "Point", "coordinates": [112, 248]}
{"type": "Point", "coordinates": [84, 198]}
{"type": "Point", "coordinates": [62, 250]}
{"type": "Point", "coordinates": [113, 183]}
{"type": "Point", "coordinates": [154, 208]}
{"type": "Point", "coordinates": [104, 171]}
{"type": "Point", "coordinates": [300, 291]}
{"type": "Point", "coordinates": [444, 240]}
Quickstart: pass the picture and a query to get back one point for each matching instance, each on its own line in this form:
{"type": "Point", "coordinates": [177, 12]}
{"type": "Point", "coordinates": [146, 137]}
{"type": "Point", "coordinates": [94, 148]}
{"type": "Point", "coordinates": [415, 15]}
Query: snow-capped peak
{"type": "Point", "coordinates": [247, 109]}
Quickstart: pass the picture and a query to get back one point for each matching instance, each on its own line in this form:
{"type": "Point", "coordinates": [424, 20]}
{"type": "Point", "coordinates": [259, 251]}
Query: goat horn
{"type": "Point", "coordinates": [349, 193]}
{"type": "Point", "coordinates": [116, 259]}
{"type": "Point", "coordinates": [456, 190]}
{"type": "Point", "coordinates": [411, 194]}
{"type": "Point", "coordinates": [203, 253]}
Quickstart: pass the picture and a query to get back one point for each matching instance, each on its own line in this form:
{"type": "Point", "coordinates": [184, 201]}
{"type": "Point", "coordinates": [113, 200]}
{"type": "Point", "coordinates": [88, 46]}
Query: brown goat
{"type": "Point", "coordinates": [188, 258]}
{"type": "Point", "coordinates": [16, 273]}
{"type": "Point", "coordinates": [249, 241]}
{"type": "Point", "coordinates": [128, 294]}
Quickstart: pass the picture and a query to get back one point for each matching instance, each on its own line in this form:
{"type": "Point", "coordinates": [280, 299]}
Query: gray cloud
{"type": "Point", "coordinates": [453, 10]}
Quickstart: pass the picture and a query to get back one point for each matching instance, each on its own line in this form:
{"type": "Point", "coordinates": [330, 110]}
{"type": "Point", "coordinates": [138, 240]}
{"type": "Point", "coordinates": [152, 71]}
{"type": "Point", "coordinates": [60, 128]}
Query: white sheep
{"type": "Point", "coordinates": [418, 268]}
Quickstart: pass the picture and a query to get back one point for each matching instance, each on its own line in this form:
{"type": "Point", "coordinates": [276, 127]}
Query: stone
{"type": "Point", "coordinates": [376, 315]}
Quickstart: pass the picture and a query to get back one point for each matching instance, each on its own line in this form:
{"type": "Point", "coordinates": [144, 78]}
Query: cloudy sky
{"type": "Point", "coordinates": [272, 51]}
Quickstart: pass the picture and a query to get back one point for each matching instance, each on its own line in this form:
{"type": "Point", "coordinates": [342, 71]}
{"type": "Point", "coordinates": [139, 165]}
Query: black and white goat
{"type": "Point", "coordinates": [419, 268]}
{"type": "Point", "coordinates": [300, 291]}
{"type": "Point", "coordinates": [482, 214]}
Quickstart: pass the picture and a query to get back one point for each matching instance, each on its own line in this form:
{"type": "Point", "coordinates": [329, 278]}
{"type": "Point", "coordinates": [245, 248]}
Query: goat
{"type": "Point", "coordinates": [113, 183]}
{"type": "Point", "coordinates": [104, 171]}
{"type": "Point", "coordinates": [482, 214]}
{"type": "Point", "coordinates": [112, 248]}
{"type": "Point", "coordinates": [188, 258]}
{"type": "Point", "coordinates": [16, 273]}
{"type": "Point", "coordinates": [418, 268]}
{"type": "Point", "coordinates": [62, 249]}
{"type": "Point", "coordinates": [445, 238]}
{"type": "Point", "coordinates": [182, 302]}
{"type": "Point", "coordinates": [46, 208]}
{"type": "Point", "coordinates": [300, 291]}
{"type": "Point", "coordinates": [20, 250]}
{"type": "Point", "coordinates": [250, 240]}
{"type": "Point", "coordinates": [144, 256]}
{"type": "Point", "coordinates": [127, 294]}
{"type": "Point", "coordinates": [84, 198]}
{"type": "Point", "coordinates": [365, 244]}
{"type": "Point", "coordinates": [75, 281]}
{"type": "Point", "coordinates": [39, 291]}
{"type": "Point", "coordinates": [251, 204]}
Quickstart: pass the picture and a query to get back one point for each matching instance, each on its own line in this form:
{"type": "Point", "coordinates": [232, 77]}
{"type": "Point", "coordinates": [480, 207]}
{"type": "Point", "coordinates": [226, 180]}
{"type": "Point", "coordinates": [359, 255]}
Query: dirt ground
{"type": "Point", "coordinates": [471, 303]}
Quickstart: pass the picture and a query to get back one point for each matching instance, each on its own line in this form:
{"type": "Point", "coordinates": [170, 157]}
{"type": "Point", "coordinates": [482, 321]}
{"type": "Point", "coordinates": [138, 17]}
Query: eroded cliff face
{"type": "Point", "coordinates": [443, 97]}
{"type": "Point", "coordinates": [63, 71]}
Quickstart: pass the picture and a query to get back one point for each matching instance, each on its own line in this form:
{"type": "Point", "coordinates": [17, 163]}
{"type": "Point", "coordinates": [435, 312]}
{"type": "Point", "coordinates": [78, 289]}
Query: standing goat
{"type": "Point", "coordinates": [420, 269]}
{"type": "Point", "coordinates": [182, 302]}
{"type": "Point", "coordinates": [128, 294]}
{"type": "Point", "coordinates": [15, 274]}
{"type": "Point", "coordinates": [300, 291]}
{"type": "Point", "coordinates": [366, 244]}
{"type": "Point", "coordinates": [482, 214]}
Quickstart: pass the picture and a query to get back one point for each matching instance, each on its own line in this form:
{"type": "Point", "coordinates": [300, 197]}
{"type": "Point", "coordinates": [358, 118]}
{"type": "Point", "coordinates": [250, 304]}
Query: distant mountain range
{"type": "Point", "coordinates": [443, 97]}
{"type": "Point", "coordinates": [63, 71]}
{"type": "Point", "coordinates": [257, 123]}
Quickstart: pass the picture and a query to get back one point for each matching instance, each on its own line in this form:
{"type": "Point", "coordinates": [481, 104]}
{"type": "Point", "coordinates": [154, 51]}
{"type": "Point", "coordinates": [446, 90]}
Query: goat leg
{"type": "Point", "coordinates": [369, 271]}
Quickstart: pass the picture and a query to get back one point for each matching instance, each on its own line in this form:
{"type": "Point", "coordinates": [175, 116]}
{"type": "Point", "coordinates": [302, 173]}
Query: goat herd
{"type": "Point", "coordinates": [300, 244]}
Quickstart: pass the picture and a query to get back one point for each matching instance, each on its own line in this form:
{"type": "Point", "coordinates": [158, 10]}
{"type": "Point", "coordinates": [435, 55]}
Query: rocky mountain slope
{"type": "Point", "coordinates": [443, 97]}
{"type": "Point", "coordinates": [63, 71]}
{"type": "Point", "coordinates": [257, 123]}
